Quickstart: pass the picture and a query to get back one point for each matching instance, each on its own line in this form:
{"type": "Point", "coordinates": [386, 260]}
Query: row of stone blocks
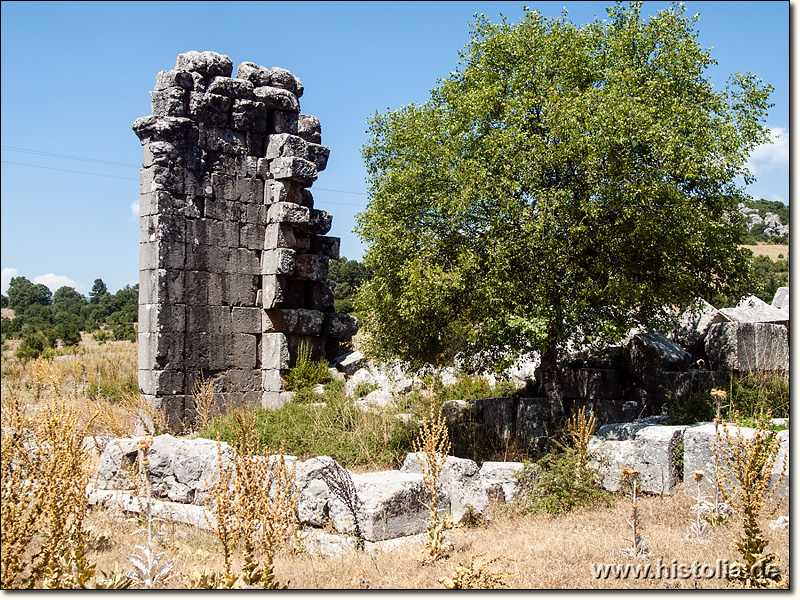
{"type": "Point", "coordinates": [654, 450]}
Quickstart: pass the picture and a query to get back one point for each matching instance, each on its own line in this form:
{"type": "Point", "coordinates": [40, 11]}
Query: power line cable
{"type": "Point", "coordinates": [69, 156]}
{"type": "Point", "coordinates": [8, 162]}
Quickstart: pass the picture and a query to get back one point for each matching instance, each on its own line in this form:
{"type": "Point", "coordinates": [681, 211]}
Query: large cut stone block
{"type": "Point", "coordinates": [277, 99]}
{"type": "Point", "coordinates": [162, 286]}
{"type": "Point", "coordinates": [340, 325]}
{"type": "Point", "coordinates": [651, 452]}
{"type": "Point", "coordinates": [748, 346]}
{"type": "Point", "coordinates": [393, 504]}
{"type": "Point", "coordinates": [278, 261]}
{"type": "Point", "coordinates": [693, 326]}
{"type": "Point", "coordinates": [285, 144]}
{"type": "Point", "coordinates": [326, 246]}
{"type": "Point", "coordinates": [496, 416]}
{"type": "Point", "coordinates": [161, 383]}
{"type": "Point", "coordinates": [781, 299]}
{"type": "Point", "coordinates": [533, 419]}
{"type": "Point", "coordinates": [274, 351]}
{"type": "Point", "coordinates": [699, 443]}
{"type": "Point", "coordinates": [309, 128]}
{"type": "Point", "coordinates": [161, 351]}
{"type": "Point", "coordinates": [164, 318]}
{"type": "Point", "coordinates": [287, 212]}
{"type": "Point", "coordinates": [592, 384]}
{"type": "Point", "coordinates": [296, 321]}
{"type": "Point", "coordinates": [294, 168]}
{"type": "Point", "coordinates": [279, 235]}
{"type": "Point", "coordinates": [246, 319]}
{"type": "Point", "coordinates": [311, 267]}
{"type": "Point", "coordinates": [755, 310]}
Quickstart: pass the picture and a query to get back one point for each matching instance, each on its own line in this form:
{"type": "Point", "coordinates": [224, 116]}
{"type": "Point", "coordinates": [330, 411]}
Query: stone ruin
{"type": "Point", "coordinates": [233, 254]}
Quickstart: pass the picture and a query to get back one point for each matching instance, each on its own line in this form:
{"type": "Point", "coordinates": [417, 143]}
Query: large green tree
{"type": "Point", "coordinates": [565, 184]}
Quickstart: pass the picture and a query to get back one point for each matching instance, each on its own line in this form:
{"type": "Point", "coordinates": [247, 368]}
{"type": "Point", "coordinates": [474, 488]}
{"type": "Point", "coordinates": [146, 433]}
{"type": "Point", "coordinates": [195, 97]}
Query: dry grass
{"type": "Point", "coordinates": [770, 250]}
{"type": "Point", "coordinates": [548, 552]}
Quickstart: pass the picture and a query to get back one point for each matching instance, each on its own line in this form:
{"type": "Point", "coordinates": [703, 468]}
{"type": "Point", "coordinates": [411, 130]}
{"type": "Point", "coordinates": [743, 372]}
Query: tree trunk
{"type": "Point", "coordinates": [560, 407]}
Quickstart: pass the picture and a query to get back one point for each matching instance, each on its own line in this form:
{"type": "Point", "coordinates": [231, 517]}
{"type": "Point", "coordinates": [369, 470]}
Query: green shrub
{"type": "Point", "coordinates": [306, 372]}
{"type": "Point", "coordinates": [557, 484]}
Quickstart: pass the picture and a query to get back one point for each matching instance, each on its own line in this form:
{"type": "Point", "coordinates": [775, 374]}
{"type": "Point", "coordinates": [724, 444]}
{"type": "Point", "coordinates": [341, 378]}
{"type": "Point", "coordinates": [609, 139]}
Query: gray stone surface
{"type": "Point", "coordinates": [651, 452]}
{"type": "Point", "coordinates": [781, 298]}
{"type": "Point", "coordinates": [652, 353]}
{"type": "Point", "coordinates": [739, 346]}
{"type": "Point", "coordinates": [693, 326]}
{"type": "Point", "coordinates": [754, 310]}
{"type": "Point", "coordinates": [699, 443]}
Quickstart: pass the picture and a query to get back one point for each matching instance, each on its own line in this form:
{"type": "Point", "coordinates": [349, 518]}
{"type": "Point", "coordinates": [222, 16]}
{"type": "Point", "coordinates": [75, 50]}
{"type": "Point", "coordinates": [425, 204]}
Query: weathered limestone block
{"type": "Point", "coordinates": [281, 190]}
{"type": "Point", "coordinates": [170, 102]}
{"type": "Point", "coordinates": [351, 362]}
{"type": "Point", "coordinates": [627, 430]}
{"type": "Point", "coordinates": [174, 79]}
{"type": "Point", "coordinates": [245, 319]}
{"type": "Point", "coordinates": [699, 443]}
{"type": "Point", "coordinates": [781, 299]}
{"type": "Point", "coordinates": [754, 310]}
{"type": "Point", "coordinates": [274, 351]}
{"type": "Point", "coordinates": [309, 128]}
{"type": "Point", "coordinates": [311, 267]}
{"type": "Point", "coordinates": [460, 479]}
{"type": "Point", "coordinates": [600, 384]}
{"type": "Point", "coordinates": [286, 145]}
{"type": "Point", "coordinates": [247, 115]}
{"type": "Point", "coordinates": [279, 261]}
{"type": "Point", "coordinates": [693, 326]}
{"type": "Point", "coordinates": [321, 296]}
{"type": "Point", "coordinates": [294, 168]}
{"type": "Point", "coordinates": [208, 64]}
{"type": "Point", "coordinates": [652, 353]}
{"type": "Point", "coordinates": [326, 246]}
{"type": "Point", "coordinates": [393, 504]}
{"type": "Point", "coordinates": [496, 416]}
{"type": "Point", "coordinates": [238, 89]}
{"type": "Point", "coordinates": [737, 346]}
{"type": "Point", "coordinates": [679, 385]}
{"type": "Point", "coordinates": [287, 212]}
{"type": "Point", "coordinates": [165, 129]}
{"type": "Point", "coordinates": [340, 325]}
{"type": "Point", "coordinates": [161, 286]}
{"type": "Point", "coordinates": [164, 318]}
{"type": "Point", "coordinates": [257, 75]}
{"type": "Point", "coordinates": [501, 476]}
{"type": "Point", "coordinates": [295, 321]}
{"type": "Point", "coordinates": [651, 452]}
{"type": "Point", "coordinates": [161, 383]}
{"type": "Point", "coordinates": [160, 351]}
{"type": "Point", "coordinates": [282, 121]}
{"type": "Point", "coordinates": [279, 235]}
{"type": "Point", "coordinates": [277, 99]}
{"type": "Point", "coordinates": [209, 108]}
{"type": "Point", "coordinates": [281, 78]}
{"type": "Point", "coordinates": [532, 422]}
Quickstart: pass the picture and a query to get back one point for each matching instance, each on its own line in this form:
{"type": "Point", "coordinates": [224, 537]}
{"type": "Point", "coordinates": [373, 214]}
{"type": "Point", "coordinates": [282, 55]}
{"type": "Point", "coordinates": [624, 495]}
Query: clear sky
{"type": "Point", "coordinates": [75, 75]}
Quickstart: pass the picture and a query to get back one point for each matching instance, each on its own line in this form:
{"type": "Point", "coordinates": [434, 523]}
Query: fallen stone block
{"type": "Point", "coordinates": [698, 455]}
{"type": "Point", "coordinates": [351, 362]}
{"type": "Point", "coordinates": [693, 326]}
{"type": "Point", "coordinates": [592, 384]}
{"type": "Point", "coordinates": [781, 299]}
{"type": "Point", "coordinates": [754, 310]}
{"type": "Point", "coordinates": [737, 346]}
{"type": "Point", "coordinates": [651, 452]}
{"type": "Point", "coordinates": [652, 353]}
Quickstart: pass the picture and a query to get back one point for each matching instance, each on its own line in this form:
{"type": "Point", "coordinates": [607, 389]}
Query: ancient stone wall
{"type": "Point", "coordinates": [233, 254]}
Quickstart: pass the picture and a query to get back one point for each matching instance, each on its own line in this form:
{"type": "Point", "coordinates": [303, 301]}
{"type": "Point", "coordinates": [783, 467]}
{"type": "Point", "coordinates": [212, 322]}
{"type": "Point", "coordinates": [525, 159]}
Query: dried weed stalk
{"type": "Point", "coordinates": [43, 489]}
{"type": "Point", "coordinates": [468, 577]}
{"type": "Point", "coordinates": [203, 399]}
{"type": "Point", "coordinates": [434, 445]}
{"type": "Point", "coordinates": [638, 542]}
{"type": "Point", "coordinates": [341, 485]}
{"type": "Point", "coordinates": [744, 469]}
{"type": "Point", "coordinates": [255, 504]}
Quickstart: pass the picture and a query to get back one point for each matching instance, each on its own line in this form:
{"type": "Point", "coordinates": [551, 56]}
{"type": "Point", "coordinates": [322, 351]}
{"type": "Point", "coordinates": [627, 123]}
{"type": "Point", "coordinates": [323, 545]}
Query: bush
{"type": "Point", "coordinates": [32, 346]}
{"type": "Point", "coordinates": [306, 372]}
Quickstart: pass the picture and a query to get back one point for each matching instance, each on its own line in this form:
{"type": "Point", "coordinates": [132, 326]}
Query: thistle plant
{"type": "Point", "coordinates": [150, 567]}
{"type": "Point", "coordinates": [744, 469]}
{"type": "Point", "coordinates": [638, 542]}
{"type": "Point", "coordinates": [699, 527]}
{"type": "Point", "coordinates": [434, 445]}
{"type": "Point", "coordinates": [470, 577]}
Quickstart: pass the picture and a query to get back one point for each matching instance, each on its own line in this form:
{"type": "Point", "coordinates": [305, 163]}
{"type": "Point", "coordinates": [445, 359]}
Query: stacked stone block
{"type": "Point", "coordinates": [233, 254]}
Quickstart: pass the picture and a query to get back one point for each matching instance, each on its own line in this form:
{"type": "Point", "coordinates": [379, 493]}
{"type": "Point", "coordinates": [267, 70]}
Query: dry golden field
{"type": "Point", "coordinates": [511, 550]}
{"type": "Point", "coordinates": [773, 251]}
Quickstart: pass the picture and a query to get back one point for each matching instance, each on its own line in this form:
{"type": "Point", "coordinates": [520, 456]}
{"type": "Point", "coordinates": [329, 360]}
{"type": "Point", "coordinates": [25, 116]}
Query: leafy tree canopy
{"type": "Point", "coordinates": [565, 183]}
{"type": "Point", "coordinates": [99, 290]}
{"type": "Point", "coordinates": [23, 293]}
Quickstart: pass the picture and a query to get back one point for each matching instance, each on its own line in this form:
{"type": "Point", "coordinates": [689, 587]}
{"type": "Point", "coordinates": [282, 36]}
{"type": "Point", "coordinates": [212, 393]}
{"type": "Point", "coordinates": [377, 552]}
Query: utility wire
{"type": "Point", "coordinates": [8, 162]}
{"type": "Point", "coordinates": [69, 157]}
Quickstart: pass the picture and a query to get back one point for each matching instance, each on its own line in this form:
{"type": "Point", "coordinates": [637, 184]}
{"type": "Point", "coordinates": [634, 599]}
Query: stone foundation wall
{"type": "Point", "coordinates": [233, 254]}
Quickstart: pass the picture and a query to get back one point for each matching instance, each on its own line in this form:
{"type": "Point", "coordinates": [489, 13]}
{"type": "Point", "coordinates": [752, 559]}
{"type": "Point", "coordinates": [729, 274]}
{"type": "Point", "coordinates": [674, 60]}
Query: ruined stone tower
{"type": "Point", "coordinates": [233, 254]}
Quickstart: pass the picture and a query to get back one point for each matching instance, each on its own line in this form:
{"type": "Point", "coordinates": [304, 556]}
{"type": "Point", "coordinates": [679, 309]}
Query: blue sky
{"type": "Point", "coordinates": [76, 75]}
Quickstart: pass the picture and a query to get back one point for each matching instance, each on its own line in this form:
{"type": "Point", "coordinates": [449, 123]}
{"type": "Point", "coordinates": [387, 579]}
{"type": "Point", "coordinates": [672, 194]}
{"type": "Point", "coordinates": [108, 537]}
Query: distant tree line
{"type": "Point", "coordinates": [42, 318]}
{"type": "Point", "coordinates": [346, 276]}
